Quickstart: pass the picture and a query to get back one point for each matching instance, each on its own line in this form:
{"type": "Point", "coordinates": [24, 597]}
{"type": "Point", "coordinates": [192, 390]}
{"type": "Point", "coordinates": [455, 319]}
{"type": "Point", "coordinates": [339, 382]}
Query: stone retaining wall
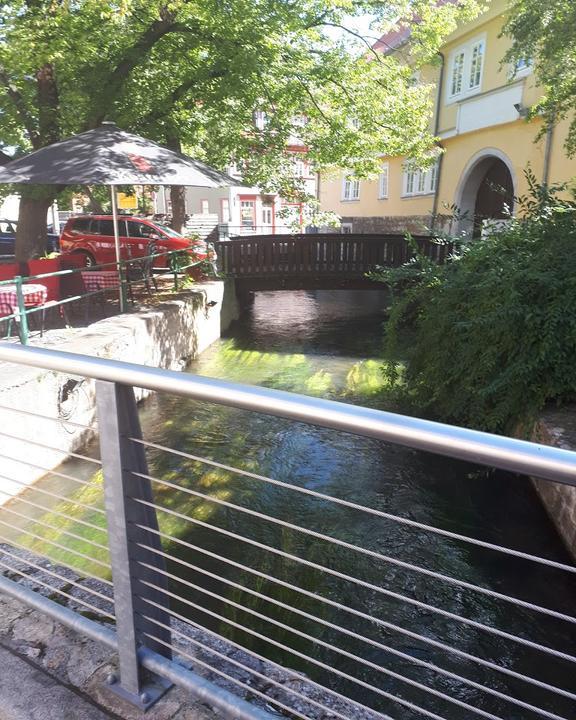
{"type": "Point", "coordinates": [166, 335]}
{"type": "Point", "coordinates": [558, 428]}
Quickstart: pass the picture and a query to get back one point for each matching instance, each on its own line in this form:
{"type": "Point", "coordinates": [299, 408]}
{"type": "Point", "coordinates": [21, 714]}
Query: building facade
{"type": "Point", "coordinates": [243, 210]}
{"type": "Point", "coordinates": [481, 121]}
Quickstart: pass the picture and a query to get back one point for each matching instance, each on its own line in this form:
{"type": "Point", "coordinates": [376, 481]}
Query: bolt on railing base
{"type": "Point", "coordinates": [150, 692]}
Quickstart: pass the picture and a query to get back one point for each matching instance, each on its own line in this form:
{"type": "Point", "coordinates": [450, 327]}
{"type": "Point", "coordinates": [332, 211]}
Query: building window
{"type": "Point", "coordinates": [248, 213]}
{"type": "Point", "coordinates": [260, 119]}
{"type": "Point", "coordinates": [419, 182]}
{"type": "Point", "coordinates": [267, 214]}
{"type": "Point", "coordinates": [204, 207]}
{"type": "Point", "coordinates": [466, 69]}
{"type": "Point", "coordinates": [522, 67]}
{"type": "Point", "coordinates": [383, 181]}
{"type": "Point", "coordinates": [299, 168]}
{"type": "Point", "coordinates": [457, 74]}
{"type": "Point", "coordinates": [476, 65]}
{"type": "Point", "coordinates": [351, 189]}
{"type": "Point", "coordinates": [225, 210]}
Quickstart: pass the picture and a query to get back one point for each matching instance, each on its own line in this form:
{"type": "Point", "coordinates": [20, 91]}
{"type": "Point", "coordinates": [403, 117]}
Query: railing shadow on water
{"type": "Point", "coordinates": [310, 620]}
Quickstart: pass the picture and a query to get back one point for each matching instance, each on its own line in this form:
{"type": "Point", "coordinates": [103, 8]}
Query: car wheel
{"type": "Point", "coordinates": [89, 259]}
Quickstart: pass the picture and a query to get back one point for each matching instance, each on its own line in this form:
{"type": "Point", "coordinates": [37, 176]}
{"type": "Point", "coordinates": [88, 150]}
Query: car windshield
{"type": "Point", "coordinates": [169, 231]}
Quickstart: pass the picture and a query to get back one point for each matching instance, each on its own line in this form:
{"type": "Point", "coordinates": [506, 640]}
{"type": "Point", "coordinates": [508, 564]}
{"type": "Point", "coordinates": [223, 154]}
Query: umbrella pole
{"type": "Point", "coordinates": [122, 295]}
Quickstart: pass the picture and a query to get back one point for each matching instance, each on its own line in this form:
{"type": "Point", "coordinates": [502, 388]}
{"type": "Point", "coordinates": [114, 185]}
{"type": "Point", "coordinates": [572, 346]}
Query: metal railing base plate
{"type": "Point", "coordinates": [152, 690]}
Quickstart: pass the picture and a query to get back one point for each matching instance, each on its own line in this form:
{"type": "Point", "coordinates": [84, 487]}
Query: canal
{"type": "Point", "coordinates": [328, 344]}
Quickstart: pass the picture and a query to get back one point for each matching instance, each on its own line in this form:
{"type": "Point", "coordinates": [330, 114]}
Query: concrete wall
{"type": "Point", "coordinates": [167, 335]}
{"type": "Point", "coordinates": [558, 428]}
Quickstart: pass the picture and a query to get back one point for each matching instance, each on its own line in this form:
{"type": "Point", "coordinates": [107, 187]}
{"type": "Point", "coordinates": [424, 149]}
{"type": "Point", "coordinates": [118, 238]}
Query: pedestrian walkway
{"type": "Point", "coordinates": [28, 692]}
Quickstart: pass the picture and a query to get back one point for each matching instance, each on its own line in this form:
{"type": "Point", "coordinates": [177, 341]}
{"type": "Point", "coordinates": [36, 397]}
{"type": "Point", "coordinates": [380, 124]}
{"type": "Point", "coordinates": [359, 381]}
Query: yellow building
{"type": "Point", "coordinates": [480, 119]}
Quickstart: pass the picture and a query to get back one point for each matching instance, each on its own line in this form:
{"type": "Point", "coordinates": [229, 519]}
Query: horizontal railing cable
{"type": "Point", "coordinates": [95, 609]}
{"type": "Point", "coordinates": [50, 471]}
{"type": "Point", "coordinates": [370, 553]}
{"type": "Point", "coordinates": [53, 543]}
{"type": "Point", "coordinates": [332, 669]}
{"type": "Point", "coordinates": [236, 663]}
{"type": "Point", "coordinates": [26, 561]}
{"type": "Point", "coordinates": [374, 643]}
{"type": "Point", "coordinates": [69, 453]}
{"type": "Point", "coordinates": [363, 508]}
{"type": "Point", "coordinates": [379, 668]}
{"type": "Point", "coordinates": [252, 653]}
{"type": "Point", "coordinates": [39, 554]}
{"type": "Point", "coordinates": [376, 588]}
{"type": "Point", "coordinates": [20, 499]}
{"type": "Point", "coordinates": [60, 421]}
{"type": "Point", "coordinates": [252, 690]}
{"type": "Point", "coordinates": [68, 500]}
{"type": "Point", "coordinates": [44, 524]}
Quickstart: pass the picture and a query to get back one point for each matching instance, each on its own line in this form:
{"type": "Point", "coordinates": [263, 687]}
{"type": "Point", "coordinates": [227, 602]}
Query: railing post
{"type": "Point", "coordinates": [133, 560]}
{"type": "Point", "coordinates": [22, 317]}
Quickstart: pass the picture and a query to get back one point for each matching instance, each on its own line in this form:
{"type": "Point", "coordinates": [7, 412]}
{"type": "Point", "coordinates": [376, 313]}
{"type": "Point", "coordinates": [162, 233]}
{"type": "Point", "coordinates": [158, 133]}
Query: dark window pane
{"type": "Point", "coordinates": [81, 225]}
{"type": "Point", "coordinates": [139, 230]}
{"type": "Point", "coordinates": [106, 227]}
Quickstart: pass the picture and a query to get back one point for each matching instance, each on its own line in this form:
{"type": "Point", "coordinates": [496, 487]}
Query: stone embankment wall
{"type": "Point", "coordinates": [167, 335]}
{"type": "Point", "coordinates": [558, 428]}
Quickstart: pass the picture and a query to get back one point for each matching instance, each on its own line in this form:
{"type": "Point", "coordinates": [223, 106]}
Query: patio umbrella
{"type": "Point", "coordinates": [110, 156]}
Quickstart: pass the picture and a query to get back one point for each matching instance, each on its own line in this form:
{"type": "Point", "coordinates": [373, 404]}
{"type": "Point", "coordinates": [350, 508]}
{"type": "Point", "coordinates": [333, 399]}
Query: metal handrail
{"type": "Point", "coordinates": [471, 445]}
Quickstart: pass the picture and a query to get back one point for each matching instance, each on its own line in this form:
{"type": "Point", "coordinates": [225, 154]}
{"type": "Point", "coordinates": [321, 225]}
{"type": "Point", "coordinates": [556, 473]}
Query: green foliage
{"type": "Point", "coordinates": [495, 326]}
{"type": "Point", "coordinates": [546, 34]}
{"type": "Point", "coordinates": [196, 70]}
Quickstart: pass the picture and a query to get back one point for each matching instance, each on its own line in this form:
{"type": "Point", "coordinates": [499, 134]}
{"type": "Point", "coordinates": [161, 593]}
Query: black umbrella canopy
{"type": "Point", "coordinates": [111, 156]}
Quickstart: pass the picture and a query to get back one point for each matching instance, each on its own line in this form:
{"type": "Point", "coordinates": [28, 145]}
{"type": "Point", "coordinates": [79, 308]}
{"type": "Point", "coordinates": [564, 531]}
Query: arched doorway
{"type": "Point", "coordinates": [486, 192]}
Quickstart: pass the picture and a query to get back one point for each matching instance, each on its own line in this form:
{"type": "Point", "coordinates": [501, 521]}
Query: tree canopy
{"type": "Point", "coordinates": [545, 34]}
{"type": "Point", "coordinates": [192, 73]}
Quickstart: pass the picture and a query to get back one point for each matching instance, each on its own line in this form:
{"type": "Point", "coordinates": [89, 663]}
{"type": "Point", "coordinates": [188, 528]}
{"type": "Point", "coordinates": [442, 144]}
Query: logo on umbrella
{"type": "Point", "coordinates": [140, 163]}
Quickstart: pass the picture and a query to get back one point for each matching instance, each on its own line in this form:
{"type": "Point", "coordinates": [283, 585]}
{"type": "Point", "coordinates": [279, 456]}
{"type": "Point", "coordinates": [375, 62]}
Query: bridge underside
{"type": "Point", "coordinates": [323, 282]}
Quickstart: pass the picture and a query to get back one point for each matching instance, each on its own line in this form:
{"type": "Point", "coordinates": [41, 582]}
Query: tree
{"type": "Point", "coordinates": [545, 34]}
{"type": "Point", "coordinates": [191, 73]}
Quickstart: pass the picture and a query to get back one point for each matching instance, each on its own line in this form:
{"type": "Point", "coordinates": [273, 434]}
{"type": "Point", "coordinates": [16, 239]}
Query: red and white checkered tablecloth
{"type": "Point", "coordinates": [95, 280]}
{"type": "Point", "coordinates": [34, 295]}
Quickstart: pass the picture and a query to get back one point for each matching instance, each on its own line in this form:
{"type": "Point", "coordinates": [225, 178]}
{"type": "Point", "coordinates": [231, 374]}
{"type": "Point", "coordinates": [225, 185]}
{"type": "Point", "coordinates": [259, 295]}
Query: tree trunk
{"type": "Point", "coordinates": [177, 192]}
{"type": "Point", "coordinates": [178, 200]}
{"type": "Point", "coordinates": [95, 204]}
{"type": "Point", "coordinates": [31, 235]}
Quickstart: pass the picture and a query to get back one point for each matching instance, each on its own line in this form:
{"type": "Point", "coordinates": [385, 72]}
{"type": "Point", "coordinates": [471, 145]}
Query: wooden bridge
{"type": "Point", "coordinates": [322, 260]}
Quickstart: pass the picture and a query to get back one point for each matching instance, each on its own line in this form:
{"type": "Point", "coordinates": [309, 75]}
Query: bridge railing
{"type": "Point", "coordinates": [319, 254]}
{"type": "Point", "coordinates": [309, 621]}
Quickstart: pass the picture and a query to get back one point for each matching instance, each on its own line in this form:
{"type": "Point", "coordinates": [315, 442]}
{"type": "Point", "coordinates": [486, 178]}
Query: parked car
{"type": "Point", "coordinates": [8, 238]}
{"type": "Point", "coordinates": [93, 237]}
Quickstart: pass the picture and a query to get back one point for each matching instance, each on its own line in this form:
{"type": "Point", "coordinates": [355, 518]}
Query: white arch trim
{"type": "Point", "coordinates": [465, 198]}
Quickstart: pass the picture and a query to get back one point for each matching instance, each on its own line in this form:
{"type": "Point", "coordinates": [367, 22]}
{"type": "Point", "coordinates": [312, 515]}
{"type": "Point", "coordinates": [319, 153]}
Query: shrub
{"type": "Point", "coordinates": [495, 326]}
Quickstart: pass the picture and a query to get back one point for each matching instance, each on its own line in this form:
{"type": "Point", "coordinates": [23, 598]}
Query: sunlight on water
{"type": "Point", "coordinates": [328, 344]}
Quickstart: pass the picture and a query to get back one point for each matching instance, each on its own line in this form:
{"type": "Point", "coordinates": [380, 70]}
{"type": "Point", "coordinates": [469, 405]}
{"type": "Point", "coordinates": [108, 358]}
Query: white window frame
{"type": "Point", "coordinates": [384, 181]}
{"type": "Point", "coordinates": [417, 182]}
{"type": "Point", "coordinates": [522, 68]}
{"type": "Point", "coordinates": [350, 189]}
{"type": "Point", "coordinates": [465, 55]}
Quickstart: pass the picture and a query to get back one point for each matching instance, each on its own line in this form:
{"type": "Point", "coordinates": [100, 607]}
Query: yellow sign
{"type": "Point", "coordinates": [127, 202]}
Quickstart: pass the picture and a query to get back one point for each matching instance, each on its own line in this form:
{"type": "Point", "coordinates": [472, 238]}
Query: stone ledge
{"type": "Point", "coordinates": [557, 427]}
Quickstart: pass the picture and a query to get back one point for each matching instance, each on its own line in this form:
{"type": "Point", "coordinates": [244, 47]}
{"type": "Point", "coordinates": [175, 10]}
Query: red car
{"type": "Point", "coordinates": [93, 237]}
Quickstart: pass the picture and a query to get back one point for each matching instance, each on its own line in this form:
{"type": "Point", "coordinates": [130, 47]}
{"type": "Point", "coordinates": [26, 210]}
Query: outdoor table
{"type": "Point", "coordinates": [95, 280]}
{"type": "Point", "coordinates": [33, 294]}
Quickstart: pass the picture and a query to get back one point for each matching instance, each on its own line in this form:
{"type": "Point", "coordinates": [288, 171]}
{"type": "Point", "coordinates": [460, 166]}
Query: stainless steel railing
{"type": "Point", "coordinates": [245, 627]}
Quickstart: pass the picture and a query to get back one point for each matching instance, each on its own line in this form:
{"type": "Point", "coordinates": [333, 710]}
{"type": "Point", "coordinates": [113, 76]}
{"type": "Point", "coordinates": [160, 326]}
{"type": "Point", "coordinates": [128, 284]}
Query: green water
{"type": "Point", "coordinates": [327, 344]}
